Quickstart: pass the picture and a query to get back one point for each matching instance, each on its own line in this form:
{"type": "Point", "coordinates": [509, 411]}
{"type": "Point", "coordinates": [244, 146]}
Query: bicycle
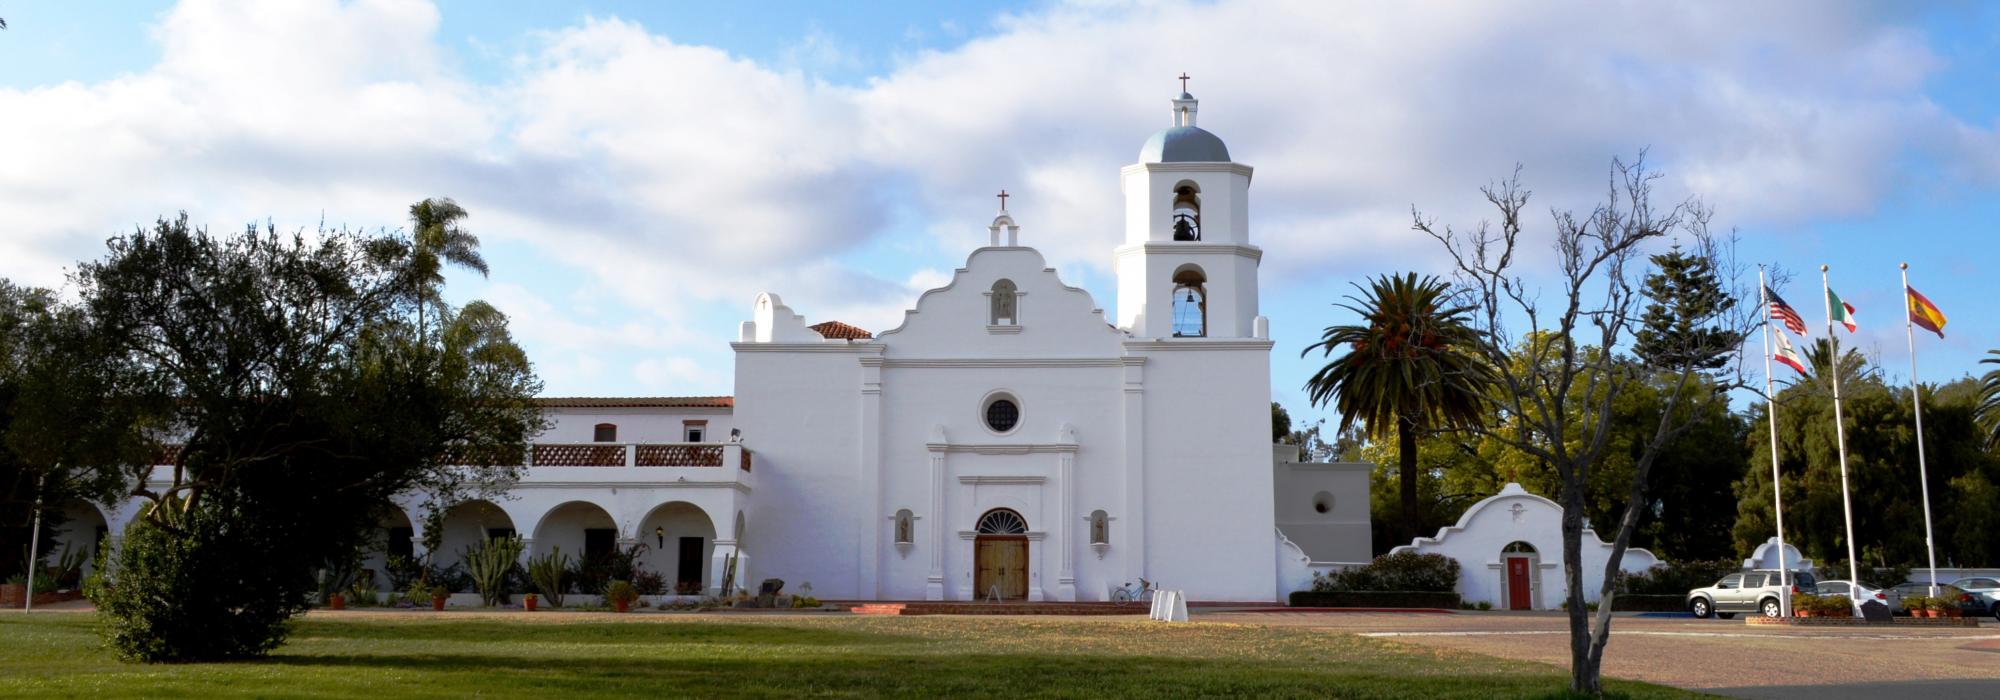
{"type": "Point", "coordinates": [1131, 592]}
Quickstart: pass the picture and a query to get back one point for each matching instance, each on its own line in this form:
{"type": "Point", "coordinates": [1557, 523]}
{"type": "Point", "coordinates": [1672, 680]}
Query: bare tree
{"type": "Point", "coordinates": [1558, 378]}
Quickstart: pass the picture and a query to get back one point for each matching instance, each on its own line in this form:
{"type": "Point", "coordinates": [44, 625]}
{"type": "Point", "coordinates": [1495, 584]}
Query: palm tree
{"type": "Point", "coordinates": [1413, 366]}
{"type": "Point", "coordinates": [437, 239]}
{"type": "Point", "coordinates": [1988, 412]}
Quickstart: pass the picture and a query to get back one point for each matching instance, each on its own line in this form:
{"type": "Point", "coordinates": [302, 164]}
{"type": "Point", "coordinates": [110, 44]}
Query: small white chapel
{"type": "Point", "coordinates": [1008, 440]}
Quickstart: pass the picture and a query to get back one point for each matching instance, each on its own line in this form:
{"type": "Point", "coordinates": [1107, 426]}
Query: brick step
{"type": "Point", "coordinates": [936, 608]}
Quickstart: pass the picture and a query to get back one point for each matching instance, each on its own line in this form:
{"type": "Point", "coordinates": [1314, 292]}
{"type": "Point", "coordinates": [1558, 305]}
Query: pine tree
{"type": "Point", "coordinates": [1677, 328]}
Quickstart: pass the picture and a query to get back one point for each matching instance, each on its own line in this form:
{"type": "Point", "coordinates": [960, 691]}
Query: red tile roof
{"type": "Point", "coordinates": [835, 330]}
{"type": "Point", "coordinates": [637, 401]}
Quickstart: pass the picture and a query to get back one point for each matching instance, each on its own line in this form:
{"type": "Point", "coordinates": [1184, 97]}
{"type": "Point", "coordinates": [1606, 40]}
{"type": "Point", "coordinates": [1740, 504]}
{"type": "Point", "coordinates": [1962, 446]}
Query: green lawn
{"type": "Point", "coordinates": [453, 655]}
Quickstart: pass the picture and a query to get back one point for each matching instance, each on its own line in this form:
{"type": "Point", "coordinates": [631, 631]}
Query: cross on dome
{"type": "Point", "coordinates": [1184, 79]}
{"type": "Point", "coordinates": [1003, 199]}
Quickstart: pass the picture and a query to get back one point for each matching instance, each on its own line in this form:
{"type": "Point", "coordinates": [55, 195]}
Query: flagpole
{"type": "Point", "coordinates": [1840, 437]}
{"type": "Point", "coordinates": [1917, 404]}
{"type": "Point", "coordinates": [1771, 412]}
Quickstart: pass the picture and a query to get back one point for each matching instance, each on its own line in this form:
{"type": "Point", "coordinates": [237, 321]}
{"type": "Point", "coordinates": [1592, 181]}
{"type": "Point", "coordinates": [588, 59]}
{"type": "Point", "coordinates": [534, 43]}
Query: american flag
{"type": "Point", "coordinates": [1781, 311]}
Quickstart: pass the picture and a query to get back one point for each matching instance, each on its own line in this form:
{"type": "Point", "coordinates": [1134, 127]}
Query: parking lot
{"type": "Point", "coordinates": [1725, 657]}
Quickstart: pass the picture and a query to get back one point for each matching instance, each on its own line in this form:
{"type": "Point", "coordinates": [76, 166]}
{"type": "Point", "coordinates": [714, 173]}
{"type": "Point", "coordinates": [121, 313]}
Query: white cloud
{"type": "Point", "coordinates": [675, 179]}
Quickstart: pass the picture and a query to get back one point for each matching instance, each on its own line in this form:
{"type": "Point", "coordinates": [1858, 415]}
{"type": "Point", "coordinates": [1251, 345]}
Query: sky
{"type": "Point", "coordinates": [639, 171]}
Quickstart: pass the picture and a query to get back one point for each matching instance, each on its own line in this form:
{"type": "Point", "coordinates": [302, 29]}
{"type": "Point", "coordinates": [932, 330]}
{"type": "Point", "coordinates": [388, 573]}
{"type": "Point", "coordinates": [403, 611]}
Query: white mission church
{"type": "Point", "coordinates": [1008, 438]}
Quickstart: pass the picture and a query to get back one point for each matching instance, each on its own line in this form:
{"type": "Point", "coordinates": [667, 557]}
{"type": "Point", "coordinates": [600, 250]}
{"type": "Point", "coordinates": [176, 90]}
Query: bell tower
{"type": "Point", "coordinates": [1187, 269]}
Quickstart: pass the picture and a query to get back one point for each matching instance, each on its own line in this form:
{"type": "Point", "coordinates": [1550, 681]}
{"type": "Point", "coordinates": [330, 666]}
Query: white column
{"type": "Point", "coordinates": [934, 515]}
{"type": "Point", "coordinates": [1134, 521]}
{"type": "Point", "coordinates": [1059, 533]}
{"type": "Point", "coordinates": [869, 550]}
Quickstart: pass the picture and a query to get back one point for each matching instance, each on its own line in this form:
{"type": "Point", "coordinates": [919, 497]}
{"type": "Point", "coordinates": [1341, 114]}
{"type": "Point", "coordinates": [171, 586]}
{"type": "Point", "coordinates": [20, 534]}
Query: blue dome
{"type": "Point", "coordinates": [1184, 144]}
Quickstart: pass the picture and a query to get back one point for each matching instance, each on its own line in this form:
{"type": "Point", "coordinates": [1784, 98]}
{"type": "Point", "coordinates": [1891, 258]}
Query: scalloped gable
{"type": "Point", "coordinates": [1056, 320]}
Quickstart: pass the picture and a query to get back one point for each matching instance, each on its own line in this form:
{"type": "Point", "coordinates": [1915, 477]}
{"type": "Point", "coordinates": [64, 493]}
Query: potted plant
{"type": "Point", "coordinates": [1918, 606]}
{"type": "Point", "coordinates": [1836, 606]}
{"type": "Point", "coordinates": [336, 601]}
{"type": "Point", "coordinates": [439, 594]}
{"type": "Point", "coordinates": [528, 599]}
{"type": "Point", "coordinates": [621, 594]}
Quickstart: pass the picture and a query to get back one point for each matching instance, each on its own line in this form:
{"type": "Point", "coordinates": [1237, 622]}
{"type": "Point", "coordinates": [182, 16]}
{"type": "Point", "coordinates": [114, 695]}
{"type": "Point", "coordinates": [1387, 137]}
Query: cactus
{"type": "Point", "coordinates": [489, 563]}
{"type": "Point", "coordinates": [549, 573]}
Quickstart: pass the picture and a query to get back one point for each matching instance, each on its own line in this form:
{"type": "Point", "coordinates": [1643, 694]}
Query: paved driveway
{"type": "Point", "coordinates": [1725, 657]}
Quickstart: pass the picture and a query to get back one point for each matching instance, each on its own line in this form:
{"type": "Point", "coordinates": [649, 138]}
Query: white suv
{"type": "Point", "coordinates": [1759, 591]}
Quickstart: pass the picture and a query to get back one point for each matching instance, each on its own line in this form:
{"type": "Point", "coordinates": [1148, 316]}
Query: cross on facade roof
{"type": "Point", "coordinates": [1184, 79]}
{"type": "Point", "coordinates": [1003, 199]}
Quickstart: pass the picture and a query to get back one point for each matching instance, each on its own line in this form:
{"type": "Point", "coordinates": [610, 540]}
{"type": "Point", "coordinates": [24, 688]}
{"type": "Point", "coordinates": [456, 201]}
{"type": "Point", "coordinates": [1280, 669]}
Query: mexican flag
{"type": "Point", "coordinates": [1840, 311]}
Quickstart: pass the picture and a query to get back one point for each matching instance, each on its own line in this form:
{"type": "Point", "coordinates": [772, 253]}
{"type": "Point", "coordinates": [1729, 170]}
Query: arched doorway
{"type": "Point", "coordinates": [1000, 555]}
{"type": "Point", "coordinates": [468, 525]}
{"type": "Point", "coordinates": [680, 539]}
{"type": "Point", "coordinates": [83, 527]}
{"type": "Point", "coordinates": [581, 530]}
{"type": "Point", "coordinates": [1520, 572]}
{"type": "Point", "coordinates": [394, 537]}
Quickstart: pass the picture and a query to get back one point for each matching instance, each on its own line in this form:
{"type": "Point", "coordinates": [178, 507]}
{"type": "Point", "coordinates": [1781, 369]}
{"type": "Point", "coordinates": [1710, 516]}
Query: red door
{"type": "Point", "coordinates": [1518, 586]}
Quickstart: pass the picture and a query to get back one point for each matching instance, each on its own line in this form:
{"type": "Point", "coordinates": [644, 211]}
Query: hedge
{"type": "Point", "coordinates": [1644, 602]}
{"type": "Point", "coordinates": [1374, 599]}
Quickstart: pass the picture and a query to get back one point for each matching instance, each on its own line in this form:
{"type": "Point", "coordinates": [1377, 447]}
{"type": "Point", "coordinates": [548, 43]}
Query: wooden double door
{"type": "Point", "coordinates": [1000, 561]}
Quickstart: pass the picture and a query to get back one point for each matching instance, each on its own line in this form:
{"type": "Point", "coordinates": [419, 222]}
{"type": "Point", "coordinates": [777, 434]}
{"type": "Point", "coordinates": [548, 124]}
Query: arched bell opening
{"type": "Point", "coordinates": [1187, 211]}
{"type": "Point", "coordinates": [1190, 300]}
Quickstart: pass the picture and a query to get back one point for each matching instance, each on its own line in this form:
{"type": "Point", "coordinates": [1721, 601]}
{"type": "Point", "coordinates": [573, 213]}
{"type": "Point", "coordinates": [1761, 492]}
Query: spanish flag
{"type": "Point", "coordinates": [1924, 313]}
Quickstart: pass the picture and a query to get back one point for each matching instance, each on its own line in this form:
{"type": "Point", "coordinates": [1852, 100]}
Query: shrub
{"type": "Point", "coordinates": [648, 583]}
{"type": "Point", "coordinates": [1833, 606]}
{"type": "Point", "coordinates": [1676, 577]}
{"type": "Point", "coordinates": [186, 596]}
{"type": "Point", "coordinates": [1399, 571]}
{"type": "Point", "coordinates": [363, 595]}
{"type": "Point", "coordinates": [1915, 603]}
{"type": "Point", "coordinates": [550, 574]}
{"type": "Point", "coordinates": [402, 571]}
{"type": "Point", "coordinates": [1805, 601]}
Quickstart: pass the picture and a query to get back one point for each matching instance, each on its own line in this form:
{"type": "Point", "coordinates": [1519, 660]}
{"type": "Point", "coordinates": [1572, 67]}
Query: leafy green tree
{"type": "Point", "coordinates": [293, 381]}
{"type": "Point", "coordinates": [1410, 367]}
{"type": "Point", "coordinates": [58, 443]}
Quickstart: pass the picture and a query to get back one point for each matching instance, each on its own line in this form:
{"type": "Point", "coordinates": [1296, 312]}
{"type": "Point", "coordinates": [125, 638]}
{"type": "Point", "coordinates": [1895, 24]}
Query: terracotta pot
{"type": "Point", "coordinates": [438, 603]}
{"type": "Point", "coordinates": [1926, 613]}
{"type": "Point", "coordinates": [336, 602]}
{"type": "Point", "coordinates": [530, 602]}
{"type": "Point", "coordinates": [621, 605]}
{"type": "Point", "coordinates": [1802, 613]}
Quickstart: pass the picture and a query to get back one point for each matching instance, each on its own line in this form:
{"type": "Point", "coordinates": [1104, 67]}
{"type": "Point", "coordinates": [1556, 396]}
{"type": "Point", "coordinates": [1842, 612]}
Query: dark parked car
{"type": "Point", "coordinates": [1981, 595]}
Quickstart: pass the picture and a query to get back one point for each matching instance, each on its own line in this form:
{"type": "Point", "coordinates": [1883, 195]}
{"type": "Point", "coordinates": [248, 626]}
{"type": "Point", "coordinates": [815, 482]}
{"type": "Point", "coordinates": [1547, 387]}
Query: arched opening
{"type": "Point", "coordinates": [74, 549]}
{"type": "Point", "coordinates": [680, 539]}
{"type": "Point", "coordinates": [1100, 527]}
{"type": "Point", "coordinates": [1004, 300]}
{"type": "Point", "coordinates": [1190, 298]}
{"type": "Point", "coordinates": [1187, 211]}
{"type": "Point", "coordinates": [605, 432]}
{"type": "Point", "coordinates": [1520, 575]}
{"type": "Point", "coordinates": [1000, 555]}
{"type": "Point", "coordinates": [393, 538]}
{"type": "Point", "coordinates": [465, 526]}
{"type": "Point", "coordinates": [906, 527]}
{"type": "Point", "coordinates": [1323, 503]}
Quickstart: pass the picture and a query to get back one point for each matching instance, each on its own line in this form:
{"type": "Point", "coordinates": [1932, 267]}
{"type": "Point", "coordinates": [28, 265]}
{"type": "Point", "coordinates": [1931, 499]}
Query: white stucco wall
{"type": "Point", "coordinates": [1514, 515]}
{"type": "Point", "coordinates": [1342, 534]}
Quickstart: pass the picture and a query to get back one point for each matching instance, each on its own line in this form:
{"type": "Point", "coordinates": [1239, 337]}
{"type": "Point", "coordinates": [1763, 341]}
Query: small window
{"type": "Point", "coordinates": [606, 432]}
{"type": "Point", "coordinates": [1005, 301]}
{"type": "Point", "coordinates": [1002, 414]}
{"type": "Point", "coordinates": [1100, 527]}
{"type": "Point", "coordinates": [694, 430]}
{"type": "Point", "coordinates": [1322, 503]}
{"type": "Point", "coordinates": [906, 527]}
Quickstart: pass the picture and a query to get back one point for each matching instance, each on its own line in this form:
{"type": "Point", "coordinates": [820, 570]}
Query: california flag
{"type": "Point", "coordinates": [1787, 354]}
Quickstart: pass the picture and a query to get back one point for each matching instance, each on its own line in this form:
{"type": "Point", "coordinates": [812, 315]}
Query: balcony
{"type": "Point", "coordinates": [693, 463]}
